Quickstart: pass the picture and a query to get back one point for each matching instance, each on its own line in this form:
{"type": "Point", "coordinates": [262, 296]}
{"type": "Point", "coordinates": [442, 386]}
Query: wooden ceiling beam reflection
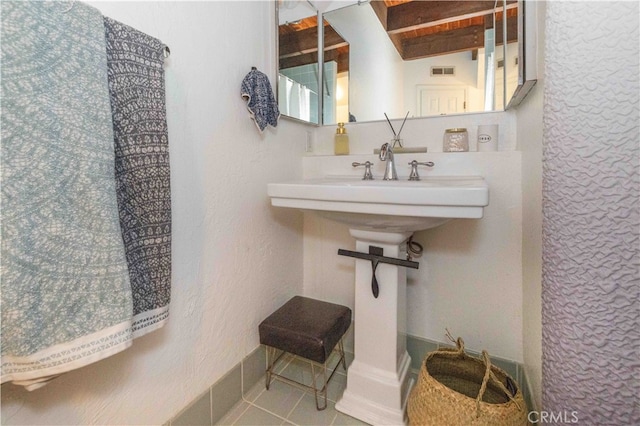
{"type": "Point", "coordinates": [454, 41]}
{"type": "Point", "coordinates": [512, 29]}
{"type": "Point", "coordinates": [443, 43]}
{"type": "Point", "coordinates": [301, 48]}
{"type": "Point", "coordinates": [416, 15]}
{"type": "Point", "coordinates": [420, 29]}
{"type": "Point", "coordinates": [299, 42]}
{"type": "Point", "coordinates": [305, 41]}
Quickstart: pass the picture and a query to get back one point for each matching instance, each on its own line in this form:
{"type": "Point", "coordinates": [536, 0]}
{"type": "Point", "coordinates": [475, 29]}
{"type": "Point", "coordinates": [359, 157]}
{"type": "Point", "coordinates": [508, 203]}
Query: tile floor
{"type": "Point", "coordinates": [284, 404]}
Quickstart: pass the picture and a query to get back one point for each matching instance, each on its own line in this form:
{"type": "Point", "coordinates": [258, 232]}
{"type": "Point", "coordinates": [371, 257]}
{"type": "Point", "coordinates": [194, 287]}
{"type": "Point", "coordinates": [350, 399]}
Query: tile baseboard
{"type": "Point", "coordinates": [209, 407]}
{"type": "Point", "coordinates": [212, 405]}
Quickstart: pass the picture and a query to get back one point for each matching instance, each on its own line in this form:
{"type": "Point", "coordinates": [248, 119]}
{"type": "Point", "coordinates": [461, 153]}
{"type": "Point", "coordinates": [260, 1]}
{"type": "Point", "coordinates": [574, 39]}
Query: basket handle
{"type": "Point", "coordinates": [457, 352]}
{"type": "Point", "coordinates": [485, 380]}
{"type": "Point", "coordinates": [459, 345]}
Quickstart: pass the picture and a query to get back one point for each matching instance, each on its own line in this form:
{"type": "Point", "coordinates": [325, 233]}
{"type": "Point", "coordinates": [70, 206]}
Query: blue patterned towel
{"type": "Point", "coordinates": [66, 295]}
{"type": "Point", "coordinates": [136, 86]}
{"type": "Point", "coordinates": [262, 105]}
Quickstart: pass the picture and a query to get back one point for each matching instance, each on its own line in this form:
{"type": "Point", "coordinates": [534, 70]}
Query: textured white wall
{"type": "Point", "coordinates": [470, 277]}
{"type": "Point", "coordinates": [591, 221]}
{"type": "Point", "coordinates": [235, 258]}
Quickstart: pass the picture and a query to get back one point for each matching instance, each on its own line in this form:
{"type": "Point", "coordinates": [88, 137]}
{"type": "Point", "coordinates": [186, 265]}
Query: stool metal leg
{"type": "Point", "coordinates": [271, 363]}
{"type": "Point", "coordinates": [267, 379]}
{"type": "Point", "coordinates": [270, 373]}
{"type": "Point", "coordinates": [323, 391]}
{"type": "Point", "coordinates": [341, 352]}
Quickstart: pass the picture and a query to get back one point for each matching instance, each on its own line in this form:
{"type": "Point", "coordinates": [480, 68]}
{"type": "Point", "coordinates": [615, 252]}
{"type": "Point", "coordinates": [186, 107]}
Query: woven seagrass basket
{"type": "Point", "coordinates": [457, 389]}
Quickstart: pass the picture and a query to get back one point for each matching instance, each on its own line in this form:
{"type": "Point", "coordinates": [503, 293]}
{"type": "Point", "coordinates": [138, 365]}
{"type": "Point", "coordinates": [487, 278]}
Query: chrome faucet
{"type": "Point", "coordinates": [386, 154]}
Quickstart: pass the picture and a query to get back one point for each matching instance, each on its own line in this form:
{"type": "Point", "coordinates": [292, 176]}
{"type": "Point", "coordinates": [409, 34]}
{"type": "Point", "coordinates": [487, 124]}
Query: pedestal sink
{"type": "Point", "coordinates": [382, 214]}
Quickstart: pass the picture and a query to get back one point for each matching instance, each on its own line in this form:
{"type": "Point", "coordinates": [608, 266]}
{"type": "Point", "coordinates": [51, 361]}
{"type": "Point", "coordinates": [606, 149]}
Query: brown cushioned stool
{"type": "Point", "coordinates": [310, 329]}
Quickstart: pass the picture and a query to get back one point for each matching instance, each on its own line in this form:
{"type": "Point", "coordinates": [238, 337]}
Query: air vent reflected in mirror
{"type": "Point", "coordinates": [442, 71]}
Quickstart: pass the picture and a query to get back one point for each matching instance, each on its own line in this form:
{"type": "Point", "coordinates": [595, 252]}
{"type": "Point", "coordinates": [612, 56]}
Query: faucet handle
{"type": "Point", "coordinates": [367, 169]}
{"type": "Point", "coordinates": [414, 168]}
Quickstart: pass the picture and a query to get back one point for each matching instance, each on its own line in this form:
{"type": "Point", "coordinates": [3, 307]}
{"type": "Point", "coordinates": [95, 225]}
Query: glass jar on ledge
{"type": "Point", "coordinates": [455, 140]}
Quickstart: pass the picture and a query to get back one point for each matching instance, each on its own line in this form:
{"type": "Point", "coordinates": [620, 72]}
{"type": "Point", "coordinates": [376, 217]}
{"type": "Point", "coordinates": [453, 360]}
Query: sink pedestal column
{"type": "Point", "coordinates": [378, 383]}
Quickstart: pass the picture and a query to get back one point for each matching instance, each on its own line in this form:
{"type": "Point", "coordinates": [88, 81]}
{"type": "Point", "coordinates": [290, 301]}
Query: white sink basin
{"type": "Point", "coordinates": [388, 206]}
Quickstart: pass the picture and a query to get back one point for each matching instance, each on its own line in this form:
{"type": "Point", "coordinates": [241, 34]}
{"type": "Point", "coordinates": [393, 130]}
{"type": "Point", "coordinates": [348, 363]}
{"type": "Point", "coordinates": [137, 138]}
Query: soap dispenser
{"type": "Point", "coordinates": [341, 144]}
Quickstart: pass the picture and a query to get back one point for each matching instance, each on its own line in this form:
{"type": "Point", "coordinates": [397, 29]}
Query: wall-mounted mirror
{"type": "Point", "coordinates": [424, 57]}
{"type": "Point", "coordinates": [297, 87]}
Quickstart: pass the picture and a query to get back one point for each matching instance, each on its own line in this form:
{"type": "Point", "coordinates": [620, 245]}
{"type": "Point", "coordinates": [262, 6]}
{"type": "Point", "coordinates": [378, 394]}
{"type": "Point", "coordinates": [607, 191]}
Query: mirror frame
{"type": "Point", "coordinates": [527, 64]}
